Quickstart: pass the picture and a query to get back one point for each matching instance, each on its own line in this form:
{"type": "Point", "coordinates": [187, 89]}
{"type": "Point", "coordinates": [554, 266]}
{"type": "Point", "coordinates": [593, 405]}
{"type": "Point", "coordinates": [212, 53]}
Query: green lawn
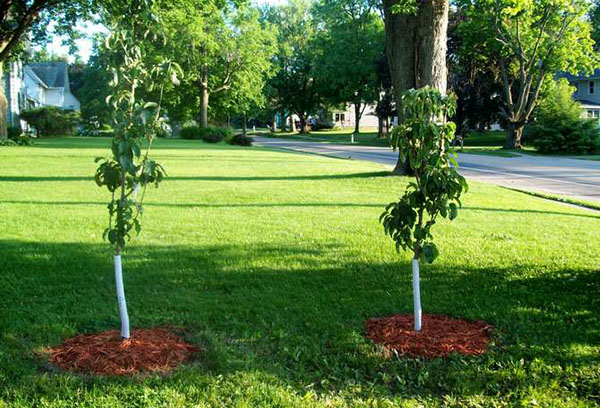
{"type": "Point", "coordinates": [273, 261]}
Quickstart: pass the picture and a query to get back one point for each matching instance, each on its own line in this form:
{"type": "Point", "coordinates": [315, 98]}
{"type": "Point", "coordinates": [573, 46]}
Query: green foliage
{"type": "Point", "coordinates": [240, 140]}
{"type": "Point", "coordinates": [209, 134]}
{"type": "Point", "coordinates": [559, 127]}
{"type": "Point", "coordinates": [51, 121]}
{"type": "Point", "coordinates": [137, 121]}
{"type": "Point", "coordinates": [424, 138]}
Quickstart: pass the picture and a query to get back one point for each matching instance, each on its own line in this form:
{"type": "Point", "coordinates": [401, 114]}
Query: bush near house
{"type": "Point", "coordinates": [559, 127]}
{"type": "Point", "coordinates": [51, 121]}
{"type": "Point", "coordinates": [210, 134]}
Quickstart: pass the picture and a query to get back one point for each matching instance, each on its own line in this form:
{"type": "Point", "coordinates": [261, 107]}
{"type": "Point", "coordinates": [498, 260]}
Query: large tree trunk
{"type": "Point", "coordinates": [3, 106]}
{"type": "Point", "coordinates": [416, 50]}
{"type": "Point", "coordinates": [514, 132]}
{"type": "Point", "coordinates": [357, 115]}
{"type": "Point", "coordinates": [380, 127]}
{"type": "Point", "coordinates": [204, 98]}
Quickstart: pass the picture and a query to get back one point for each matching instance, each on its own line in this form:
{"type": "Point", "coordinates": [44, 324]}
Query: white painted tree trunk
{"type": "Point", "coordinates": [121, 298]}
{"type": "Point", "coordinates": [416, 294]}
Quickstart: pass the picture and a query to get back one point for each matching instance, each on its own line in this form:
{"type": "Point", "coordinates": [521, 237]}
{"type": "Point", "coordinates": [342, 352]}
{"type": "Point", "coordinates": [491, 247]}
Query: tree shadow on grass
{"type": "Point", "coordinates": [283, 311]}
{"type": "Point", "coordinates": [211, 178]}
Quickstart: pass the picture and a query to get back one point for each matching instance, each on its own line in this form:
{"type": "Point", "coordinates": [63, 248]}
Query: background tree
{"type": "Point", "coordinates": [416, 33]}
{"type": "Point", "coordinates": [385, 103]}
{"type": "Point", "coordinates": [295, 84]}
{"type": "Point", "coordinates": [218, 48]}
{"type": "Point", "coordinates": [474, 78]}
{"type": "Point", "coordinates": [532, 40]}
{"type": "Point", "coordinates": [349, 27]}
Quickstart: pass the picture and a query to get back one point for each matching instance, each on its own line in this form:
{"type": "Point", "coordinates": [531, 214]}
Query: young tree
{"type": "Point", "coordinates": [295, 83]}
{"type": "Point", "coordinates": [416, 47]}
{"type": "Point", "coordinates": [136, 123]}
{"type": "Point", "coordinates": [423, 140]}
{"type": "Point", "coordinates": [349, 27]}
{"type": "Point", "coordinates": [532, 40]}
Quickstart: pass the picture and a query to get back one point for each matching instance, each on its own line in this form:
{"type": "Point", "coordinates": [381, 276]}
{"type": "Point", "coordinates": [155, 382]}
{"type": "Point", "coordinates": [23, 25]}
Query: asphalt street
{"type": "Point", "coordinates": [573, 178]}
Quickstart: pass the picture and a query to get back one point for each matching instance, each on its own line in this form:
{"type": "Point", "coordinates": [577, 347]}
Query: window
{"type": "Point", "coordinates": [337, 117]}
{"type": "Point", "coordinates": [592, 86]}
{"type": "Point", "coordinates": [342, 117]}
{"type": "Point", "coordinates": [597, 114]}
{"type": "Point", "coordinates": [590, 113]}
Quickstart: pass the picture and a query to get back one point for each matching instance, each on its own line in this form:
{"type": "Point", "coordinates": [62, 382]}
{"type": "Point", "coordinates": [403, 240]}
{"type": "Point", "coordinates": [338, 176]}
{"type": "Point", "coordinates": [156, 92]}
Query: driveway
{"type": "Point", "coordinates": [573, 178]}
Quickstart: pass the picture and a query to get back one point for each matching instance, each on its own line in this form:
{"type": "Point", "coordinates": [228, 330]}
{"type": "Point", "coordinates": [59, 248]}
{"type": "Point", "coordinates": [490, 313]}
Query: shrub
{"type": "Point", "coordinates": [22, 140]}
{"type": "Point", "coordinates": [190, 133]}
{"type": "Point", "coordinates": [559, 127]}
{"type": "Point", "coordinates": [13, 132]}
{"type": "Point", "coordinates": [240, 140]}
{"type": "Point", "coordinates": [7, 142]}
{"type": "Point", "coordinates": [210, 134]}
{"type": "Point", "coordinates": [215, 134]}
{"type": "Point", "coordinates": [51, 120]}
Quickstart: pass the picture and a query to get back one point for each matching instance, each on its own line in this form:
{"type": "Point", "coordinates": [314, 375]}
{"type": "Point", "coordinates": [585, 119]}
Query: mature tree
{"type": "Point", "coordinates": [218, 48]}
{"type": "Point", "coordinates": [416, 34]}
{"type": "Point", "coordinates": [474, 78]}
{"type": "Point", "coordinates": [349, 27]}
{"type": "Point", "coordinates": [31, 19]}
{"type": "Point", "coordinates": [532, 40]}
{"type": "Point", "coordinates": [294, 83]}
{"type": "Point", "coordinates": [594, 16]}
{"type": "Point", "coordinates": [385, 103]}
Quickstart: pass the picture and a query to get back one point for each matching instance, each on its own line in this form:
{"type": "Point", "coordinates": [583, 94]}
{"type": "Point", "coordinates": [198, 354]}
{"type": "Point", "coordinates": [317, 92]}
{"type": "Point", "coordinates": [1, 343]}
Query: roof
{"type": "Point", "coordinates": [575, 77]}
{"type": "Point", "coordinates": [52, 74]}
{"type": "Point", "coordinates": [587, 104]}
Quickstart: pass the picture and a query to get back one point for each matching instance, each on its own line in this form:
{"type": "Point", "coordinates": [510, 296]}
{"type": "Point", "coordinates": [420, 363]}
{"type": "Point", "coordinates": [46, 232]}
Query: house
{"type": "Point", "coordinates": [37, 84]}
{"type": "Point", "coordinates": [587, 92]}
{"type": "Point", "coordinates": [47, 84]}
{"type": "Point", "coordinates": [346, 118]}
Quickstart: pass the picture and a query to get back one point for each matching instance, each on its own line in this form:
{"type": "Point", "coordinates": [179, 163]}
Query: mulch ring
{"type": "Point", "coordinates": [439, 336]}
{"type": "Point", "coordinates": [105, 353]}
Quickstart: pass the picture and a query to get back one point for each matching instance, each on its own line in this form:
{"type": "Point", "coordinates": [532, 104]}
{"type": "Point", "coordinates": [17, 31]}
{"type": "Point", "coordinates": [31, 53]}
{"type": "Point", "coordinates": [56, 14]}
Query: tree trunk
{"type": "Point", "coordinates": [380, 126]}
{"type": "Point", "coordinates": [3, 106]}
{"type": "Point", "coordinates": [204, 98]}
{"type": "Point", "coordinates": [357, 115]}
{"type": "Point", "coordinates": [303, 123]}
{"type": "Point", "coordinates": [121, 297]}
{"type": "Point", "coordinates": [274, 128]}
{"type": "Point", "coordinates": [244, 125]}
{"type": "Point", "coordinates": [416, 49]}
{"type": "Point", "coordinates": [514, 132]}
{"type": "Point", "coordinates": [416, 294]}
{"type": "Point", "coordinates": [293, 123]}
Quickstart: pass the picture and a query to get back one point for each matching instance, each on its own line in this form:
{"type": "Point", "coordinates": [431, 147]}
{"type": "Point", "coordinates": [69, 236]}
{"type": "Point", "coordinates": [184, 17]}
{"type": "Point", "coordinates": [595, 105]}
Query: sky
{"type": "Point", "coordinates": [89, 29]}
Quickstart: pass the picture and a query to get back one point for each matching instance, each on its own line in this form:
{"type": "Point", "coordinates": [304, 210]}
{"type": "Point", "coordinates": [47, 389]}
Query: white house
{"type": "Point", "coordinates": [47, 84]}
{"type": "Point", "coordinates": [37, 84]}
{"type": "Point", "coordinates": [346, 118]}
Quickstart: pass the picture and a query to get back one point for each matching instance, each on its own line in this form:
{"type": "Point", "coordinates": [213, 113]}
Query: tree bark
{"type": "Point", "coordinates": [3, 106]}
{"type": "Point", "coordinates": [204, 97]}
{"type": "Point", "coordinates": [357, 115]}
{"type": "Point", "coordinates": [292, 123]}
{"type": "Point", "coordinates": [416, 50]}
{"type": "Point", "coordinates": [244, 125]}
{"type": "Point", "coordinates": [303, 123]}
{"type": "Point", "coordinates": [283, 121]}
{"type": "Point", "coordinates": [514, 132]}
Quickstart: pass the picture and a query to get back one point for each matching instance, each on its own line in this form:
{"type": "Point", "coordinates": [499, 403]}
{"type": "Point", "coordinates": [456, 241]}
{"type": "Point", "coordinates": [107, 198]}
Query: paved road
{"type": "Point", "coordinates": [578, 179]}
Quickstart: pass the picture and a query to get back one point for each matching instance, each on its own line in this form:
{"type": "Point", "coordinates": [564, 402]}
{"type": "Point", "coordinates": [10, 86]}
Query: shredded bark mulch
{"type": "Point", "coordinates": [105, 353]}
{"type": "Point", "coordinates": [439, 336]}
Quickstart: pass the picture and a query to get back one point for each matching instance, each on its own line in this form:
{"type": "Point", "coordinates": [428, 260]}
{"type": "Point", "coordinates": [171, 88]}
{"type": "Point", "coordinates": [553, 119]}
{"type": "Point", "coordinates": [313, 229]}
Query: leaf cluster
{"type": "Point", "coordinates": [424, 139]}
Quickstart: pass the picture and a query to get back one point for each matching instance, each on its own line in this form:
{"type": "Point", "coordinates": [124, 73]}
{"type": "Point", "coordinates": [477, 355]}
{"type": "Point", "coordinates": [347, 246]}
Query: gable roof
{"type": "Point", "coordinates": [52, 74]}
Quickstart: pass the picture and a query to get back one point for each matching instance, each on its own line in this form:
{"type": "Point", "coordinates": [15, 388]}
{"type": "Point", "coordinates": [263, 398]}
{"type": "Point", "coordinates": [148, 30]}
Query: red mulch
{"type": "Point", "coordinates": [439, 336]}
{"type": "Point", "coordinates": [105, 353]}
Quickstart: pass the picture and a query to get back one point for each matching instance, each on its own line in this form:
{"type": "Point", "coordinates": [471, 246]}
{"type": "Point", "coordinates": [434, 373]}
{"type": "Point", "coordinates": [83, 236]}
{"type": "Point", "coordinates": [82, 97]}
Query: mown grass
{"type": "Point", "coordinates": [272, 261]}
